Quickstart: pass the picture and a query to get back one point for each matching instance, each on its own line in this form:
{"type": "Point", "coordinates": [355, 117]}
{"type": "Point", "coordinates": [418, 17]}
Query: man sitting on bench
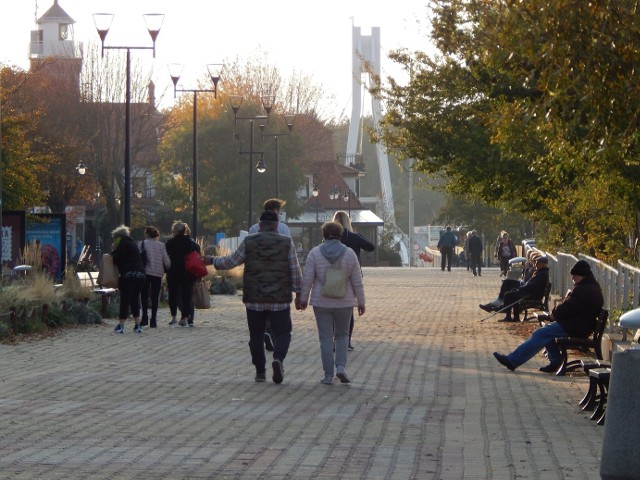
{"type": "Point", "coordinates": [576, 316]}
{"type": "Point", "coordinates": [533, 289]}
{"type": "Point", "coordinates": [528, 269]}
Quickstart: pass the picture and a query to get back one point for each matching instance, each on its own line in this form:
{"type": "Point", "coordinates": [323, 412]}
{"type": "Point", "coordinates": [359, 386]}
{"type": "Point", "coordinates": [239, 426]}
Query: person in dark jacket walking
{"type": "Point", "coordinates": [180, 282]}
{"type": "Point", "coordinates": [126, 256]}
{"type": "Point", "coordinates": [271, 276]}
{"type": "Point", "coordinates": [475, 253]}
{"type": "Point", "coordinates": [447, 245]}
{"type": "Point", "coordinates": [355, 242]}
{"type": "Point", "coordinates": [576, 316]}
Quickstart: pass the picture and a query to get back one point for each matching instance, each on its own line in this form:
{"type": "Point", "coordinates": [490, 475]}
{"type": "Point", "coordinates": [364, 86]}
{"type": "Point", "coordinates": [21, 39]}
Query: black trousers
{"type": "Point", "coordinates": [280, 321]}
{"type": "Point", "coordinates": [447, 257]}
{"type": "Point", "coordinates": [153, 283]}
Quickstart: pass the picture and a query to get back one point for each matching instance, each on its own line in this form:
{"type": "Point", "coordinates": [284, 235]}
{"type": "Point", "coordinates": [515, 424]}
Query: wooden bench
{"type": "Point", "coordinates": [592, 345]}
{"type": "Point", "coordinates": [599, 377]}
{"type": "Point", "coordinates": [592, 397]}
{"type": "Point", "coordinates": [90, 280]}
{"type": "Point", "coordinates": [541, 305]}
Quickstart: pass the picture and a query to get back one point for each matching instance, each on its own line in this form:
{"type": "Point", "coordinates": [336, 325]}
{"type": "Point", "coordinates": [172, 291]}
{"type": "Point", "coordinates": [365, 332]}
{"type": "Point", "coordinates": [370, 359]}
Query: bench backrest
{"type": "Point", "coordinates": [545, 297]}
{"type": "Point", "coordinates": [601, 324]}
{"type": "Point", "coordinates": [599, 332]}
{"type": "Point", "coordinates": [87, 279]}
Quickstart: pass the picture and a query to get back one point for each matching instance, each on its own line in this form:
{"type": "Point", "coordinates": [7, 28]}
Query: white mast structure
{"type": "Point", "coordinates": [366, 50]}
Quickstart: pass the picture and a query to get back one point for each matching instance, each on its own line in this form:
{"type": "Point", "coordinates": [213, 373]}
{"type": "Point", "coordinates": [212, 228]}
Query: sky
{"type": "Point", "coordinates": [311, 38]}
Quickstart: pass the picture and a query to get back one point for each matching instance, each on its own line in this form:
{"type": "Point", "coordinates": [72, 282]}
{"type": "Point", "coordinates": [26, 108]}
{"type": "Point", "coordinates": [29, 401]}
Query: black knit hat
{"type": "Point", "coordinates": [581, 268]}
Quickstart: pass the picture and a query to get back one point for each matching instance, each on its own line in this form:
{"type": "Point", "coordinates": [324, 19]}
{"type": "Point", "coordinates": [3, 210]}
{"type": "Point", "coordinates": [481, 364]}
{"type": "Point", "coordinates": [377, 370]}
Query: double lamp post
{"type": "Point", "coordinates": [103, 22]}
{"type": "Point", "coordinates": [215, 71]}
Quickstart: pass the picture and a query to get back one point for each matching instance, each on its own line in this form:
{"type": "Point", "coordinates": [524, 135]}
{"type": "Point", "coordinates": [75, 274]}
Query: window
{"type": "Point", "coordinates": [63, 31]}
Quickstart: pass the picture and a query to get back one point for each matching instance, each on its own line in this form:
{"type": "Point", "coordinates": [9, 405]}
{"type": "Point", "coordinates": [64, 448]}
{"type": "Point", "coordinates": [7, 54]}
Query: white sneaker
{"type": "Point", "coordinates": [342, 375]}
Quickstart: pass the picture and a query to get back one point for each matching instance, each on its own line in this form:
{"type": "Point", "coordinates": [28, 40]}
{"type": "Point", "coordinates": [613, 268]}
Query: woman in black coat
{"type": "Point", "coordinates": [355, 242]}
{"type": "Point", "coordinates": [180, 282]}
{"type": "Point", "coordinates": [126, 256]}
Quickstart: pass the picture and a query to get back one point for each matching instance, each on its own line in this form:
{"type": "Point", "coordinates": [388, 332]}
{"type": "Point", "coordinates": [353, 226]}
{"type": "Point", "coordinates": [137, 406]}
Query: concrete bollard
{"type": "Point", "coordinates": [620, 459]}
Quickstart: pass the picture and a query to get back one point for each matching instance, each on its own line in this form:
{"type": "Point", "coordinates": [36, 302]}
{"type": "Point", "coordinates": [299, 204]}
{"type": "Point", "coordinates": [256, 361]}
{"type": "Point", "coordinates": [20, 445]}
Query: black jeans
{"type": "Point", "coordinates": [181, 292]}
{"type": "Point", "coordinates": [130, 287]}
{"type": "Point", "coordinates": [154, 283]}
{"type": "Point", "coordinates": [476, 262]}
{"type": "Point", "coordinates": [512, 297]}
{"type": "Point", "coordinates": [281, 327]}
{"type": "Point", "coordinates": [447, 257]}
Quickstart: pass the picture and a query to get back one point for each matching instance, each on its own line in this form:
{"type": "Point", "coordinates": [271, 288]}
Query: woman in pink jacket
{"type": "Point", "coordinates": [333, 315]}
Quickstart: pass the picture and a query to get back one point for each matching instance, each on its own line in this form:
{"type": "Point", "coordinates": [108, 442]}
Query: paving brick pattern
{"type": "Point", "coordinates": [427, 399]}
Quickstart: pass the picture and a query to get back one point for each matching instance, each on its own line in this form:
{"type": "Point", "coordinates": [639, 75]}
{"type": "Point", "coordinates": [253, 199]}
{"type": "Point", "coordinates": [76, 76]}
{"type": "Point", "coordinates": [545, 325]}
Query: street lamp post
{"type": "Point", "coordinates": [315, 192]}
{"type": "Point", "coordinates": [267, 105]}
{"type": "Point", "coordinates": [334, 194]}
{"type": "Point", "coordinates": [347, 198]}
{"type": "Point", "coordinates": [289, 119]}
{"type": "Point", "coordinates": [215, 71]}
{"type": "Point", "coordinates": [82, 170]}
{"type": "Point", "coordinates": [153, 22]}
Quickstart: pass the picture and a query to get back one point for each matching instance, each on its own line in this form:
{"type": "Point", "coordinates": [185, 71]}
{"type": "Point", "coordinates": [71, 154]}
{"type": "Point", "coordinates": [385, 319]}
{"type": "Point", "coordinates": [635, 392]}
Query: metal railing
{"type": "Point", "coordinates": [620, 286]}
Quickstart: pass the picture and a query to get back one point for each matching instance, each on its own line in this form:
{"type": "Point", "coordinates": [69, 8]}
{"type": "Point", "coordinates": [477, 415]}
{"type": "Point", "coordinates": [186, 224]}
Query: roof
{"type": "Point", "coordinates": [358, 217]}
{"type": "Point", "coordinates": [55, 14]}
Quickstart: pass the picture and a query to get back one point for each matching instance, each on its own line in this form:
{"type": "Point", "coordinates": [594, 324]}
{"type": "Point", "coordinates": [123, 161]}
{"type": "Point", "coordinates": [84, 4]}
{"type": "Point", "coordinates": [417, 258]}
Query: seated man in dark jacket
{"type": "Point", "coordinates": [576, 316]}
{"type": "Point", "coordinates": [528, 269]}
{"type": "Point", "coordinates": [533, 289]}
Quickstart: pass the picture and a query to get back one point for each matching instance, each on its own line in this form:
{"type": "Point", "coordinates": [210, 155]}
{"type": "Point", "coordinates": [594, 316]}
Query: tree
{"type": "Point", "coordinates": [223, 172]}
{"type": "Point", "coordinates": [20, 164]}
{"type": "Point", "coordinates": [526, 104]}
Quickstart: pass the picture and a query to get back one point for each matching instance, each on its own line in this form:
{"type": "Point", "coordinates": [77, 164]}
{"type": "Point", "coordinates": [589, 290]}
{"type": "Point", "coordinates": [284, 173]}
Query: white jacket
{"type": "Point", "coordinates": [157, 258]}
{"type": "Point", "coordinates": [313, 279]}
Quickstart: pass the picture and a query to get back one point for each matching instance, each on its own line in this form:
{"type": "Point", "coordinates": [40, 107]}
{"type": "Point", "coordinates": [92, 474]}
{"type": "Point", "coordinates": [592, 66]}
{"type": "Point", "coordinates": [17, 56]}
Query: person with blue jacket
{"type": "Point", "coordinates": [447, 245]}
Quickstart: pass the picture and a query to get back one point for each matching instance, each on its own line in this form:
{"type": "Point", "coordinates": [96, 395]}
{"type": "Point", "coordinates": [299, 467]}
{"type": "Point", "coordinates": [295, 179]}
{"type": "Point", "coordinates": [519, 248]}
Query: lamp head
{"type": "Point", "coordinates": [261, 166]}
{"type": "Point", "coordinates": [236, 102]}
{"type": "Point", "coordinates": [175, 71]}
{"type": "Point", "coordinates": [153, 22]}
{"type": "Point", "coordinates": [289, 119]}
{"type": "Point", "coordinates": [215, 72]}
{"type": "Point", "coordinates": [268, 102]}
{"type": "Point", "coordinates": [102, 21]}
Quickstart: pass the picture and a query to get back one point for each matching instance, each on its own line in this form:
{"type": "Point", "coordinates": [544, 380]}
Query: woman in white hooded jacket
{"type": "Point", "coordinates": [333, 315]}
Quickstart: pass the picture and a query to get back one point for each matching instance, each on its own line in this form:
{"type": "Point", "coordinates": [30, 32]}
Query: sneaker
{"type": "Point", "coordinates": [144, 321]}
{"type": "Point", "coordinates": [351, 348]}
{"type": "Point", "coordinates": [261, 377]}
{"type": "Point", "coordinates": [504, 360]}
{"type": "Point", "coordinates": [183, 322]}
{"type": "Point", "coordinates": [119, 329]}
{"type": "Point", "coordinates": [342, 375]}
{"type": "Point", "coordinates": [191, 324]}
{"type": "Point", "coordinates": [173, 322]}
{"type": "Point", "coordinates": [153, 323]}
{"type": "Point", "coordinates": [137, 329]}
{"type": "Point", "coordinates": [278, 370]}
{"type": "Point", "coordinates": [268, 342]}
{"type": "Point", "coordinates": [327, 380]}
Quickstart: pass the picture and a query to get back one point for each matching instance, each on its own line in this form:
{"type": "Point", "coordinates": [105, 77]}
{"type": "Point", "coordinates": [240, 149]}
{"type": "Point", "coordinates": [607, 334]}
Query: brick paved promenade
{"type": "Point", "coordinates": [427, 399]}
